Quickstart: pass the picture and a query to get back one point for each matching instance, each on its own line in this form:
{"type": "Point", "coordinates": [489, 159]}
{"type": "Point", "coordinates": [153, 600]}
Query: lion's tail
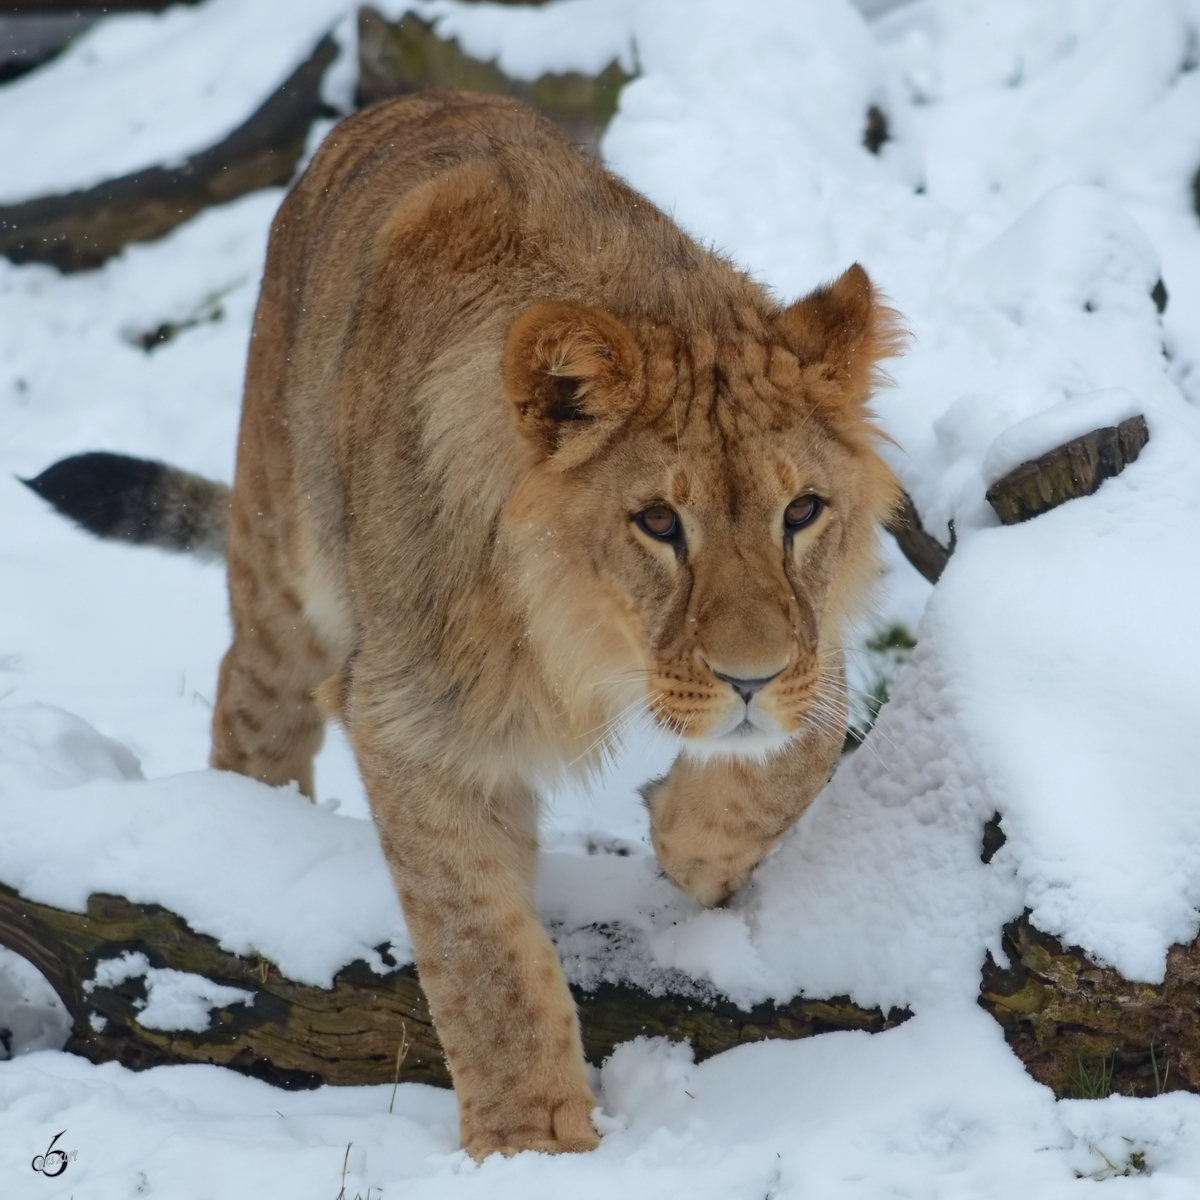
{"type": "Point", "coordinates": [136, 500]}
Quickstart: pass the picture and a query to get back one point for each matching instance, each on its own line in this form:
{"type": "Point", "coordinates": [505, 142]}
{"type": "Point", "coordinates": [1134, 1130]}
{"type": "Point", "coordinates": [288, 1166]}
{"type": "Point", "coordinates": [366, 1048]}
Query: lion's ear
{"type": "Point", "coordinates": [572, 374]}
{"type": "Point", "coordinates": [843, 330]}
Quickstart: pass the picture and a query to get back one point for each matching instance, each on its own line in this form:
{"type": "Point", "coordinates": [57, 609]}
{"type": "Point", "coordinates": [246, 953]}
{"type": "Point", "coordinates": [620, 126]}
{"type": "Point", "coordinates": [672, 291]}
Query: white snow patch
{"type": "Point", "coordinates": [1054, 427]}
{"type": "Point", "coordinates": [174, 999]}
{"type": "Point", "coordinates": [32, 1017]}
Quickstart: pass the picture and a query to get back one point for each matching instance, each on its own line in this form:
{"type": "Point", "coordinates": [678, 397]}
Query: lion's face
{"type": "Point", "coordinates": [706, 509]}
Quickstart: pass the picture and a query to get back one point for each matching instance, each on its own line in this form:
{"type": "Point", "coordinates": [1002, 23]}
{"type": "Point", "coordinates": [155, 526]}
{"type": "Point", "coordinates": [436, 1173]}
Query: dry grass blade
{"type": "Point", "coordinates": [345, 1163]}
{"type": "Point", "coordinates": [401, 1055]}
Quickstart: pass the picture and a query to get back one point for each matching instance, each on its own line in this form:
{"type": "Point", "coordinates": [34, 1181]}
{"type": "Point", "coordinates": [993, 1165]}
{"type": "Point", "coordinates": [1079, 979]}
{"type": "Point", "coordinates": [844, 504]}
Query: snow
{"type": "Point", "coordinates": [1056, 425]}
{"type": "Point", "coordinates": [1088, 739]}
{"type": "Point", "coordinates": [1037, 185]}
{"type": "Point", "coordinates": [299, 885]}
{"type": "Point", "coordinates": [34, 1017]}
{"type": "Point", "coordinates": [174, 999]}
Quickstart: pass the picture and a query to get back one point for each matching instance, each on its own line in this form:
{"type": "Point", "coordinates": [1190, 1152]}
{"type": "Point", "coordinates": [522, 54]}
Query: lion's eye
{"type": "Point", "coordinates": [802, 511]}
{"type": "Point", "coordinates": [660, 522]}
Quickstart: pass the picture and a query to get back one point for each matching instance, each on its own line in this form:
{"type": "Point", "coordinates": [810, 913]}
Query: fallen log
{"type": "Point", "coordinates": [1077, 1026]}
{"type": "Point", "coordinates": [408, 55]}
{"type": "Point", "coordinates": [83, 229]}
{"type": "Point", "coordinates": [1082, 1029]}
{"type": "Point", "coordinates": [1076, 468]}
{"type": "Point", "coordinates": [355, 1032]}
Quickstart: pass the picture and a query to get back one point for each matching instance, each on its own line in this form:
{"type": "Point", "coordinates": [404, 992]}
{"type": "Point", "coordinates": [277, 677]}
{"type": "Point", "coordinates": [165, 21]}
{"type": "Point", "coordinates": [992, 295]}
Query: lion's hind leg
{"type": "Point", "coordinates": [267, 723]}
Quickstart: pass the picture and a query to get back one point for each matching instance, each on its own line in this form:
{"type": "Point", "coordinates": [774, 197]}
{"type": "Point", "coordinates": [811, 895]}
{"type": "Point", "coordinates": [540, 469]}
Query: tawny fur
{"type": "Point", "coordinates": [477, 357]}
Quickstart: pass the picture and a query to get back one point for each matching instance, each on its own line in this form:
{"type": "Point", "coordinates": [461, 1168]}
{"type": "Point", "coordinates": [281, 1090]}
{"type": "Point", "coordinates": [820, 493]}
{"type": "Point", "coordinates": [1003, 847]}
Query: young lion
{"type": "Point", "coordinates": [518, 457]}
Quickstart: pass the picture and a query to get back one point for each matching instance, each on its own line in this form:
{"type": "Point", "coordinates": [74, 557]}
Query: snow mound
{"type": "Point", "coordinates": [263, 871]}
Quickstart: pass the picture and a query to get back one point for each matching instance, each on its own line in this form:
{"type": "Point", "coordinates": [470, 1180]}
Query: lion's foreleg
{"type": "Point", "coordinates": [464, 863]}
{"type": "Point", "coordinates": [712, 821]}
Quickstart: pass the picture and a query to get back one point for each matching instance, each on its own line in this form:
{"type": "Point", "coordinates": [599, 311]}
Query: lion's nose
{"type": "Point", "coordinates": [747, 687]}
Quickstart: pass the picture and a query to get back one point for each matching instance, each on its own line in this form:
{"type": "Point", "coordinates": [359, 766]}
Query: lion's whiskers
{"type": "Point", "coordinates": [846, 690]}
{"type": "Point", "coordinates": [615, 729]}
{"type": "Point", "coordinates": [628, 676]}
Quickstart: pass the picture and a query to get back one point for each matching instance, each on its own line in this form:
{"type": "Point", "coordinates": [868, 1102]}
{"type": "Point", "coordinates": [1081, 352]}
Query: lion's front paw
{"type": "Point", "coordinates": [708, 883]}
{"type": "Point", "coordinates": [564, 1128]}
{"type": "Point", "coordinates": [711, 822]}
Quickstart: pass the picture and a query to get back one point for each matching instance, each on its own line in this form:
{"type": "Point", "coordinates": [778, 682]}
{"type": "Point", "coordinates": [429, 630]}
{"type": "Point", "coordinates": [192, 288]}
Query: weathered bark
{"type": "Point", "coordinates": [1084, 1030]}
{"type": "Point", "coordinates": [295, 1035]}
{"type": "Point", "coordinates": [408, 55]}
{"type": "Point", "coordinates": [1074, 469]}
{"type": "Point", "coordinates": [85, 228]}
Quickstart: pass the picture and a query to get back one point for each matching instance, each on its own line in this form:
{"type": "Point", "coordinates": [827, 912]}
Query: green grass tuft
{"type": "Point", "coordinates": [1093, 1085]}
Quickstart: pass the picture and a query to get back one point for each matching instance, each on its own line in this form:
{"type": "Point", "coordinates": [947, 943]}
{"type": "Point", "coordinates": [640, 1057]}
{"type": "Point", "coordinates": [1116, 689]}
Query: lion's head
{"type": "Point", "coordinates": [701, 512]}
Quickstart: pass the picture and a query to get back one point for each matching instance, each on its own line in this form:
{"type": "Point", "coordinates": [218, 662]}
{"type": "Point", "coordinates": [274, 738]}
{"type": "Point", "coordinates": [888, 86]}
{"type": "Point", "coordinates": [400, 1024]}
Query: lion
{"type": "Point", "coordinates": [517, 459]}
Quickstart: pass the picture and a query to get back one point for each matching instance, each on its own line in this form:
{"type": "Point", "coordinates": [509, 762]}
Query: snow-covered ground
{"type": "Point", "coordinates": [1037, 185]}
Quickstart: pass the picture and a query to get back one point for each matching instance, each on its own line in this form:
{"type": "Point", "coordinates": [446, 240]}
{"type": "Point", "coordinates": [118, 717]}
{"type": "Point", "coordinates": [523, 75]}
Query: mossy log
{"type": "Point", "coordinates": [395, 58]}
{"type": "Point", "coordinates": [1076, 468]}
{"type": "Point", "coordinates": [83, 229]}
{"type": "Point", "coordinates": [1085, 1031]}
{"type": "Point", "coordinates": [1077, 1026]}
{"type": "Point", "coordinates": [296, 1036]}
